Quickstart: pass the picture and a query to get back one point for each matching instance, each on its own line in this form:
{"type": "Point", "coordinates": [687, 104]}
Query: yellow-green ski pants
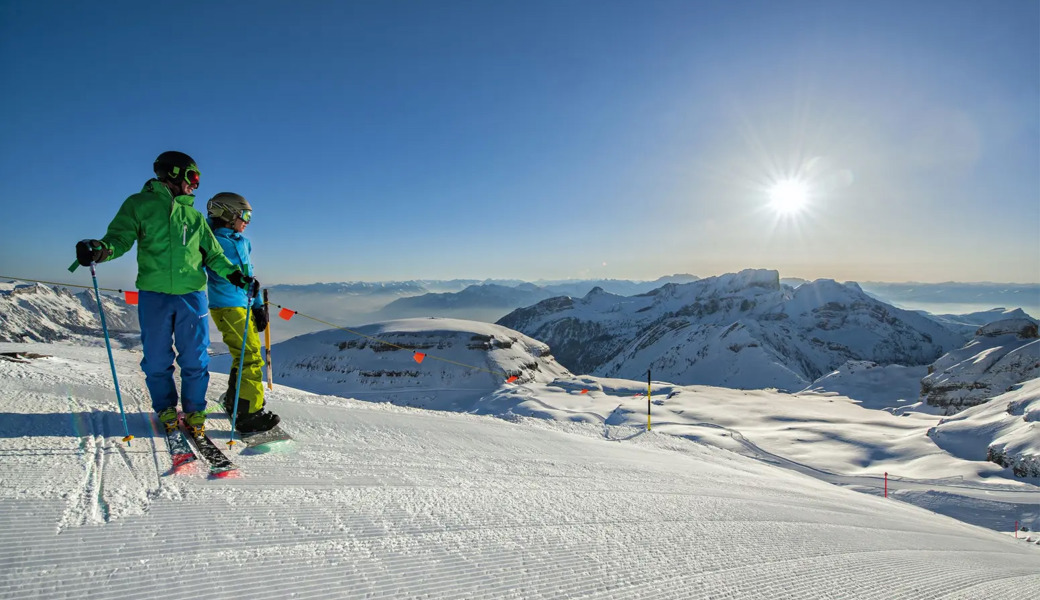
{"type": "Point", "coordinates": [231, 321]}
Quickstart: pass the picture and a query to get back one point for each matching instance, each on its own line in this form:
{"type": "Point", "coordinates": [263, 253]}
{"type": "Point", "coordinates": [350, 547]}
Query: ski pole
{"type": "Point", "coordinates": [267, 344]}
{"type": "Point", "coordinates": [111, 361]}
{"type": "Point", "coordinates": [241, 362]}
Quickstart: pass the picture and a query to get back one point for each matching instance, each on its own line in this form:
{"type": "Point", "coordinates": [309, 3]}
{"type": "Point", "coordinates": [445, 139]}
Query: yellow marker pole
{"type": "Point", "coordinates": [648, 399]}
{"type": "Point", "coordinates": [267, 341]}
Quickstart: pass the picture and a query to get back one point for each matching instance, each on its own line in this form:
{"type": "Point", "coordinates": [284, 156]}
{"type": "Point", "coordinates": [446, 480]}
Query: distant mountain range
{"type": "Point", "coordinates": [354, 303]}
{"type": "Point", "coordinates": [490, 300]}
{"type": "Point", "coordinates": [933, 295]}
{"type": "Point", "coordinates": [485, 300]}
{"type": "Point", "coordinates": [742, 330]}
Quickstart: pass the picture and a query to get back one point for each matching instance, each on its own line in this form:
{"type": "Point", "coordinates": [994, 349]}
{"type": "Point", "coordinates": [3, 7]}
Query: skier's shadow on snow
{"type": "Point", "coordinates": [75, 424]}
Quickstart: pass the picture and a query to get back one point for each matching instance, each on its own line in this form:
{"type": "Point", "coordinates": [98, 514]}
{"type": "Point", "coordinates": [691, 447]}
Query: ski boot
{"type": "Point", "coordinates": [168, 418]}
{"type": "Point", "coordinates": [261, 420]}
{"type": "Point", "coordinates": [196, 423]}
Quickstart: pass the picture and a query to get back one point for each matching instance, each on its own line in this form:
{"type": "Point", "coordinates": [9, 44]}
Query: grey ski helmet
{"type": "Point", "coordinates": [227, 206]}
{"type": "Point", "coordinates": [176, 166]}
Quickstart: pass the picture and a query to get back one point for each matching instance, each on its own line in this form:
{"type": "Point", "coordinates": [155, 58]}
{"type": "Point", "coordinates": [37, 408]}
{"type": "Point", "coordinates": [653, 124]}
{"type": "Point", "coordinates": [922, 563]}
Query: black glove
{"type": "Point", "coordinates": [91, 251]}
{"type": "Point", "coordinates": [260, 318]}
{"type": "Point", "coordinates": [245, 282]}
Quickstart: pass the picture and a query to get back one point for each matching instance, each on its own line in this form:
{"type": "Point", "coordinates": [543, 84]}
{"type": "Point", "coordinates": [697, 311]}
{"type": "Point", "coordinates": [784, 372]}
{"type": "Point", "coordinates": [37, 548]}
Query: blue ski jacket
{"type": "Point", "coordinates": [222, 293]}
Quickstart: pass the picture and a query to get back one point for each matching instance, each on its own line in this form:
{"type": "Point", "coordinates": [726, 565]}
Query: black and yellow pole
{"type": "Point", "coordinates": [267, 342]}
{"type": "Point", "coordinates": [648, 399]}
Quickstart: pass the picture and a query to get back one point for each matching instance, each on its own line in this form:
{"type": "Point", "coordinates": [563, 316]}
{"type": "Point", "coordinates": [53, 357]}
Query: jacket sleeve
{"type": "Point", "coordinates": [258, 302]}
{"type": "Point", "coordinates": [123, 230]}
{"type": "Point", "coordinates": [214, 255]}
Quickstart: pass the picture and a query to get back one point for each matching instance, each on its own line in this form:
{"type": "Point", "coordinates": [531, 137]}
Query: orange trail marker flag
{"type": "Point", "coordinates": [131, 297]}
{"type": "Point", "coordinates": [511, 379]}
{"type": "Point", "coordinates": [286, 314]}
{"type": "Point", "coordinates": [584, 391]}
{"type": "Point", "coordinates": [418, 356]}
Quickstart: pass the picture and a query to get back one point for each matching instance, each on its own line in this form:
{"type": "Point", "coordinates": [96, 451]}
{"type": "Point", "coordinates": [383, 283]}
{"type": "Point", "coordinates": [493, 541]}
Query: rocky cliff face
{"type": "Point", "coordinates": [1001, 354]}
{"type": "Point", "coordinates": [40, 313]}
{"type": "Point", "coordinates": [741, 330]}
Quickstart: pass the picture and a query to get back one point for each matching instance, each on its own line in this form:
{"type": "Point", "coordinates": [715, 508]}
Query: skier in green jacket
{"type": "Point", "coordinates": [174, 245]}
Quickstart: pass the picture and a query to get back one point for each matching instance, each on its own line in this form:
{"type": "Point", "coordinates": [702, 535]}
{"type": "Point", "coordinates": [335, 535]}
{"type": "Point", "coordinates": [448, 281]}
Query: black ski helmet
{"type": "Point", "coordinates": [172, 165]}
{"type": "Point", "coordinates": [228, 206]}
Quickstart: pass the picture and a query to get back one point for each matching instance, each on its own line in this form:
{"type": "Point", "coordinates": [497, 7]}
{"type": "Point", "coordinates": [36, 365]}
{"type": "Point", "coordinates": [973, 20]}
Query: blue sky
{"type": "Point", "coordinates": [538, 140]}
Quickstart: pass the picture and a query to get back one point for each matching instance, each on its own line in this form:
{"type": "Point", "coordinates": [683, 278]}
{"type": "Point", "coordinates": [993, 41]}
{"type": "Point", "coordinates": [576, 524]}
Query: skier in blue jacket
{"type": "Point", "coordinates": [229, 214]}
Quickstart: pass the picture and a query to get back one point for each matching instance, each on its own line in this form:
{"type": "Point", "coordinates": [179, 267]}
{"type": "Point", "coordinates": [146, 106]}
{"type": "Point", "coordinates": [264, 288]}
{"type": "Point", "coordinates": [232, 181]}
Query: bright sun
{"type": "Point", "coordinates": [788, 196]}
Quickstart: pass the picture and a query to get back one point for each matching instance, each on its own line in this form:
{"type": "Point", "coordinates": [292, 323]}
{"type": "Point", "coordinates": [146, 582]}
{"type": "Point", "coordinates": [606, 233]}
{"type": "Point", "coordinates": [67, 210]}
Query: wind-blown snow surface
{"type": "Point", "coordinates": [382, 501]}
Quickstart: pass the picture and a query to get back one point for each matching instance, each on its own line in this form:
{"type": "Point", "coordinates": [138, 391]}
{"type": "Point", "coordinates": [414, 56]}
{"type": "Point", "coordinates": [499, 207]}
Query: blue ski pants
{"type": "Point", "coordinates": [175, 321]}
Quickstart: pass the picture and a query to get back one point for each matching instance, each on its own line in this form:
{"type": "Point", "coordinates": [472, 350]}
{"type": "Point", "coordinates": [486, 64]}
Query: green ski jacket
{"type": "Point", "coordinates": [173, 241]}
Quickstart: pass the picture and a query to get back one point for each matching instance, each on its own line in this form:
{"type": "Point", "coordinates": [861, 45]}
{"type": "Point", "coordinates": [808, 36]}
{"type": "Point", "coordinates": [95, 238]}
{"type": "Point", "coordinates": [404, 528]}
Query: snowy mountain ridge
{"type": "Point", "coordinates": [739, 330]}
{"type": "Point", "coordinates": [1002, 354]}
{"type": "Point", "coordinates": [490, 300]}
{"type": "Point", "coordinates": [38, 312]}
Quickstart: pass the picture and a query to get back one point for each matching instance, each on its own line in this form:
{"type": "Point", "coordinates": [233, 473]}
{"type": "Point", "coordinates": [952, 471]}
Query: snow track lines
{"type": "Point", "coordinates": [380, 501]}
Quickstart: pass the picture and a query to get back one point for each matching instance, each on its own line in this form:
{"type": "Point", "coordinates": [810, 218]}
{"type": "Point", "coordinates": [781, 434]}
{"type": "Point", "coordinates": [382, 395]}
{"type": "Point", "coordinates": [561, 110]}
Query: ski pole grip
{"type": "Point", "coordinates": [74, 266]}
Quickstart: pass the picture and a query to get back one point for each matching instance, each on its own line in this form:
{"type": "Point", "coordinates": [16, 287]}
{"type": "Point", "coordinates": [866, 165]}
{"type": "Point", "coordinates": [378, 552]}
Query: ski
{"type": "Point", "coordinates": [219, 464]}
{"type": "Point", "coordinates": [266, 441]}
{"type": "Point", "coordinates": [181, 454]}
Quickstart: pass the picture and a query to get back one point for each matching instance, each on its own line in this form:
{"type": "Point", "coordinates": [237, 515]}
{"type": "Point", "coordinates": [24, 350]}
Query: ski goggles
{"type": "Point", "coordinates": [191, 175]}
{"type": "Point", "coordinates": [246, 216]}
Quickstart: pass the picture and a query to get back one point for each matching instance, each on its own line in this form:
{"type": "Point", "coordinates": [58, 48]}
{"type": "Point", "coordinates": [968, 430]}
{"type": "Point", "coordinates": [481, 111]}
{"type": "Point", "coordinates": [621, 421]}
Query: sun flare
{"type": "Point", "coordinates": [789, 196]}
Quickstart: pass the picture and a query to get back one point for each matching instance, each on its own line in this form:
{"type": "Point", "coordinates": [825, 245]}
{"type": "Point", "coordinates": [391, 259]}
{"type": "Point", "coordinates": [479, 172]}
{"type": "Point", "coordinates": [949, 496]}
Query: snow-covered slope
{"type": "Point", "coordinates": [467, 361]}
{"type": "Point", "coordinates": [886, 387]}
{"type": "Point", "coordinates": [464, 372]}
{"type": "Point", "coordinates": [382, 501]}
{"type": "Point", "coordinates": [40, 313]}
{"type": "Point", "coordinates": [1001, 355]}
{"type": "Point", "coordinates": [1005, 430]}
{"type": "Point", "coordinates": [742, 330]}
